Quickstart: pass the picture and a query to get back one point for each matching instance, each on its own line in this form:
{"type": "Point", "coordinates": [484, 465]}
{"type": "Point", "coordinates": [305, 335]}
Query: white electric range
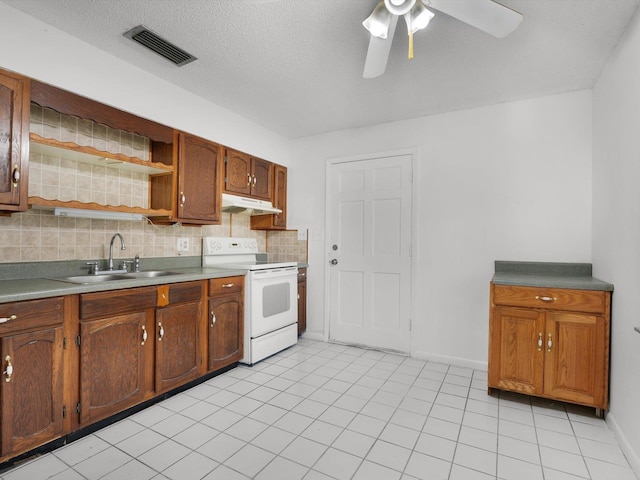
{"type": "Point", "coordinates": [271, 292]}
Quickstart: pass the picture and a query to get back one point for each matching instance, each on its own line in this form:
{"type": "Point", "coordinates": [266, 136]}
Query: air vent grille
{"type": "Point", "coordinates": [159, 45]}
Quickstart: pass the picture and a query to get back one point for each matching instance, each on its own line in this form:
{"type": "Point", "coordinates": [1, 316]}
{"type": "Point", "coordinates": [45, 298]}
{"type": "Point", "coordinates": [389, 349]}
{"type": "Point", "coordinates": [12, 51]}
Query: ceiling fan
{"type": "Point", "coordinates": [486, 15]}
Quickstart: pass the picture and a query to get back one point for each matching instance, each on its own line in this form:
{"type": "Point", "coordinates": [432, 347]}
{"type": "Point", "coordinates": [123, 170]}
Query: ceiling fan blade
{"type": "Point", "coordinates": [485, 15]}
{"type": "Point", "coordinates": [378, 52]}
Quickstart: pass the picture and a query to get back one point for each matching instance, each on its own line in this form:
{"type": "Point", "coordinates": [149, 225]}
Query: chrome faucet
{"type": "Point", "coordinates": [123, 247]}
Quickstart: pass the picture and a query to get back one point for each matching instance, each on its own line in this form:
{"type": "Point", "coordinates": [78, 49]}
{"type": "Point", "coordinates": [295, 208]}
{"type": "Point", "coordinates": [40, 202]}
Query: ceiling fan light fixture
{"type": "Point", "coordinates": [378, 22]}
{"type": "Point", "coordinates": [419, 17]}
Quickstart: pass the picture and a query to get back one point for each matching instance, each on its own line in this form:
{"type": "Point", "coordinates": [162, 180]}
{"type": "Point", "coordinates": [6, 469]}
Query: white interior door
{"type": "Point", "coordinates": [369, 233]}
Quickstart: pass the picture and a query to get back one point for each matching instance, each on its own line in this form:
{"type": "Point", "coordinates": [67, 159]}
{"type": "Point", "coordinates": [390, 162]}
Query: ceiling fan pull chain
{"type": "Point", "coordinates": [410, 45]}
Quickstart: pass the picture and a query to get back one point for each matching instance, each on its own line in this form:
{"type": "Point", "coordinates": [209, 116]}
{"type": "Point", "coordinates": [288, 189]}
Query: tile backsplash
{"type": "Point", "coordinates": [38, 235]}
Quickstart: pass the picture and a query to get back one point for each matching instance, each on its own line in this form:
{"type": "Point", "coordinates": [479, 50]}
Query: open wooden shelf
{"type": "Point", "coordinates": [93, 156]}
{"type": "Point", "coordinates": [43, 203]}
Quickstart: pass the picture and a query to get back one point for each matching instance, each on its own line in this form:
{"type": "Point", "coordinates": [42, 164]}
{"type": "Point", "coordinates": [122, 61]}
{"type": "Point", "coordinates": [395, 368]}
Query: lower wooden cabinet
{"type": "Point", "coordinates": [549, 342]}
{"type": "Point", "coordinates": [114, 355]}
{"type": "Point", "coordinates": [179, 331]}
{"type": "Point", "coordinates": [31, 392]}
{"type": "Point", "coordinates": [226, 322]}
{"type": "Point", "coordinates": [302, 300]}
{"type": "Point", "coordinates": [116, 345]}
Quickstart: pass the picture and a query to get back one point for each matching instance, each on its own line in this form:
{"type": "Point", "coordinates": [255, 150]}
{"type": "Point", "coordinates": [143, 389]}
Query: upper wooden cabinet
{"type": "Point", "coordinates": [275, 221]}
{"type": "Point", "coordinates": [247, 175]}
{"type": "Point", "coordinates": [14, 141]}
{"type": "Point", "coordinates": [550, 342]}
{"type": "Point", "coordinates": [199, 172]}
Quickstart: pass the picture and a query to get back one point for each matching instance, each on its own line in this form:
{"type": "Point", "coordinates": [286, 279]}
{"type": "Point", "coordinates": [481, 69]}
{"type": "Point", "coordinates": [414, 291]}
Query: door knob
{"type": "Point", "coordinates": [334, 261]}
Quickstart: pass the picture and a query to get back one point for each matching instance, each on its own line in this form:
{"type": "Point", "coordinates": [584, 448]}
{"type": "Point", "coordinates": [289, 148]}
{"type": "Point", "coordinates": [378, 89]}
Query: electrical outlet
{"type": "Point", "coordinates": [302, 234]}
{"type": "Point", "coordinates": [182, 245]}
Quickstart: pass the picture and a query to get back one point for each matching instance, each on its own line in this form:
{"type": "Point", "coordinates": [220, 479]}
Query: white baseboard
{"type": "Point", "coordinates": [632, 457]}
{"type": "Point", "coordinates": [314, 336]}
{"type": "Point", "coordinates": [457, 361]}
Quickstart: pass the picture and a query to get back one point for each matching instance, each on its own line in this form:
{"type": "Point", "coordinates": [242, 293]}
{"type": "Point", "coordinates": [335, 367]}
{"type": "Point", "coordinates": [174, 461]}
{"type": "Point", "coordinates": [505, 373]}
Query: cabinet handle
{"type": "Point", "coordinates": [546, 298]}
{"type": "Point", "coordinates": [255, 180]}
{"type": "Point", "coordinates": [144, 335]}
{"type": "Point", "coordinates": [540, 341]}
{"type": "Point", "coordinates": [227, 285]}
{"type": "Point", "coordinates": [549, 343]}
{"type": "Point", "coordinates": [161, 332]}
{"type": "Point", "coordinates": [183, 199]}
{"type": "Point", "coordinates": [8, 319]}
{"type": "Point", "coordinates": [9, 371]}
{"type": "Point", "coordinates": [248, 179]}
{"type": "Point", "coordinates": [15, 176]}
{"type": "Point", "coordinates": [213, 318]}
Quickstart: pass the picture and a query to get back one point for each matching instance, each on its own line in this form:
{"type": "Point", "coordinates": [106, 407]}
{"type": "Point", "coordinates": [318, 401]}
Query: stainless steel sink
{"type": "Point", "coordinates": [149, 274]}
{"type": "Point", "coordinates": [86, 279]}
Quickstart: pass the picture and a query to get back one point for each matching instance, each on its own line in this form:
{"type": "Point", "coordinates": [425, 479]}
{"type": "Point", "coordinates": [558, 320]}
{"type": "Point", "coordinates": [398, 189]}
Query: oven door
{"type": "Point", "coordinates": [272, 299]}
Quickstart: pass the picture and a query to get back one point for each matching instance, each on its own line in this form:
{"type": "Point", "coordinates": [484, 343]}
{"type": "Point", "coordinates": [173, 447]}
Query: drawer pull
{"type": "Point", "coordinates": [9, 371]}
{"type": "Point", "coordinates": [546, 298]}
{"type": "Point", "coordinates": [8, 319]}
{"type": "Point", "coordinates": [540, 341]}
{"type": "Point", "coordinates": [549, 343]}
{"type": "Point", "coordinates": [213, 318]}
{"type": "Point", "coordinates": [144, 335]}
{"type": "Point", "coordinates": [227, 285]}
{"type": "Point", "coordinates": [161, 332]}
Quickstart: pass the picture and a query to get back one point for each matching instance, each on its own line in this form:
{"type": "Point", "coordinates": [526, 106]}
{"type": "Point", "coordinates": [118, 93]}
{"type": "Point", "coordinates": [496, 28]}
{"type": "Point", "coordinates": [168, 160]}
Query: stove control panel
{"type": "Point", "coordinates": [229, 245]}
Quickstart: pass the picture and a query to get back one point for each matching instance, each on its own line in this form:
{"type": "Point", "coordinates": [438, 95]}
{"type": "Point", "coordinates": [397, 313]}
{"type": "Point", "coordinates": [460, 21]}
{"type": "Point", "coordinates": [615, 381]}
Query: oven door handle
{"type": "Point", "coordinates": [274, 272]}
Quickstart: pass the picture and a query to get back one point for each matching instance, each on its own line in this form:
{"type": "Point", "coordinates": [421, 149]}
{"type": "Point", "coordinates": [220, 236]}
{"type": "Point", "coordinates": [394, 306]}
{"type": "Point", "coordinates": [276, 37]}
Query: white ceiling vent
{"type": "Point", "coordinates": [159, 45]}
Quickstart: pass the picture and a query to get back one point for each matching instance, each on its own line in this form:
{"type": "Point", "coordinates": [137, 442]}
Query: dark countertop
{"type": "Point", "coordinates": [548, 274]}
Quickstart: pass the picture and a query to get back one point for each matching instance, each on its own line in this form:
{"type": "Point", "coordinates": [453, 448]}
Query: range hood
{"type": "Point", "coordinates": [237, 204]}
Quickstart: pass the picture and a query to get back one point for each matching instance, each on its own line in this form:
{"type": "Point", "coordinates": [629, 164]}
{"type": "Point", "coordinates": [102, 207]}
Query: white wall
{"type": "Point", "coordinates": [616, 226]}
{"type": "Point", "coordinates": [506, 182]}
{"type": "Point", "coordinates": [51, 56]}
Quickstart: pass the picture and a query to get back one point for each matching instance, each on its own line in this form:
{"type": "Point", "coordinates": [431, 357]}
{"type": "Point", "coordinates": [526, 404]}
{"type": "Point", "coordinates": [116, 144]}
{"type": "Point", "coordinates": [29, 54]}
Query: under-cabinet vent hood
{"type": "Point", "coordinates": [236, 204]}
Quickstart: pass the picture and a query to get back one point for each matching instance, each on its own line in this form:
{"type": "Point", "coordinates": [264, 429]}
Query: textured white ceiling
{"type": "Point", "coordinates": [295, 66]}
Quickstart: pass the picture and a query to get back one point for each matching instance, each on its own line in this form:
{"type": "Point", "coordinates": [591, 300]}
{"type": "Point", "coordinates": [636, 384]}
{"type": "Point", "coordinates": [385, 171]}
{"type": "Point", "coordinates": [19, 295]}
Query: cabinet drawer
{"type": "Point", "coordinates": [185, 292]}
{"type": "Point", "coordinates": [116, 302]}
{"type": "Point", "coordinates": [591, 301]}
{"type": "Point", "coordinates": [31, 313]}
{"type": "Point", "coordinates": [225, 285]}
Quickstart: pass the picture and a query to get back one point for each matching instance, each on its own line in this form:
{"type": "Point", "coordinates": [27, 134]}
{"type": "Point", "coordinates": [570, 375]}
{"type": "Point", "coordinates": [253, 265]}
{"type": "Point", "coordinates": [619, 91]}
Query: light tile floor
{"type": "Point", "coordinates": [323, 411]}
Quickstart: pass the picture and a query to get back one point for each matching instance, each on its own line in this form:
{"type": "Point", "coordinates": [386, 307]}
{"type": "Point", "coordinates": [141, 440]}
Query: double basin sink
{"type": "Point", "coordinates": [110, 277]}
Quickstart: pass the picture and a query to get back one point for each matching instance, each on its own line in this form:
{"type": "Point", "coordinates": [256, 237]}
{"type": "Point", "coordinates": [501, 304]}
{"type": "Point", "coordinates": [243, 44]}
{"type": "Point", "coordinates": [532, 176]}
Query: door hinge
{"type": "Point", "coordinates": [226, 158]}
{"type": "Point", "coordinates": [64, 343]}
{"type": "Point", "coordinates": [64, 411]}
{"type": "Point", "coordinates": [78, 408]}
{"type": "Point", "coordinates": [78, 340]}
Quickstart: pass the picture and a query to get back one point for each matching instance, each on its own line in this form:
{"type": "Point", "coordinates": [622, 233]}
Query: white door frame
{"type": "Point", "coordinates": [413, 152]}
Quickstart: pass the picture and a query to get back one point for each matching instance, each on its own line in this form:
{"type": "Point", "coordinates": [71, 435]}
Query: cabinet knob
{"type": "Point", "coordinates": [213, 318]}
{"type": "Point", "coordinates": [255, 180]}
{"type": "Point", "coordinates": [144, 335]}
{"type": "Point", "coordinates": [183, 199]}
{"type": "Point", "coordinates": [8, 319]}
{"type": "Point", "coordinates": [9, 371]}
{"type": "Point", "coordinates": [160, 332]}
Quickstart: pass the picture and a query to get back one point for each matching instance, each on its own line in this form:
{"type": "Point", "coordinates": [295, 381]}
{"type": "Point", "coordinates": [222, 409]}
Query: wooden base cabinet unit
{"type": "Point", "coordinates": [31, 336]}
{"type": "Point", "coordinates": [550, 342]}
{"type": "Point", "coordinates": [226, 322]}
